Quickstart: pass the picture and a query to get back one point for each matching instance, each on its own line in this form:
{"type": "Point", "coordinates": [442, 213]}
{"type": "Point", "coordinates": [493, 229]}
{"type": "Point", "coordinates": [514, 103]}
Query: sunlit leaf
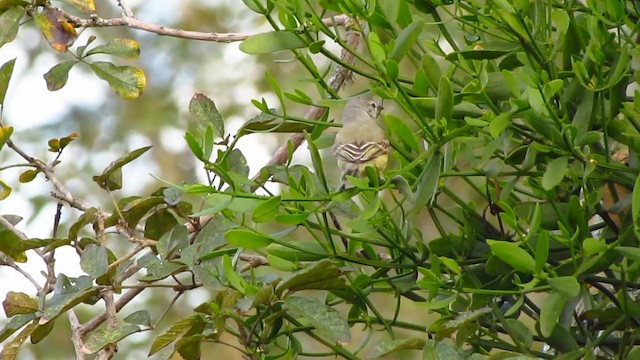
{"type": "Point", "coordinates": [393, 346]}
{"type": "Point", "coordinates": [126, 81]}
{"type": "Point", "coordinates": [17, 303]}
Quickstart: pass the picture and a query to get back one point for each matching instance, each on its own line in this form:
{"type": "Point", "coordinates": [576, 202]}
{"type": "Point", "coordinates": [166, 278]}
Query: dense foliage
{"type": "Point", "coordinates": [506, 224]}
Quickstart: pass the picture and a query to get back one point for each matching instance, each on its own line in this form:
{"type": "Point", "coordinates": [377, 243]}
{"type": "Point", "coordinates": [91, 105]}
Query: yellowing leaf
{"type": "Point", "coordinates": [60, 34]}
{"type": "Point", "coordinates": [86, 6]}
{"type": "Point", "coordinates": [126, 81]}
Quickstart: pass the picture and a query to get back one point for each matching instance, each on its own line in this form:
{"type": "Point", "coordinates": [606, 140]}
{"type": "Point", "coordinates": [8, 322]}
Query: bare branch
{"type": "Point", "coordinates": [253, 261]}
{"type": "Point", "coordinates": [127, 20]}
{"type": "Point", "coordinates": [119, 304]}
{"type": "Point", "coordinates": [76, 335]}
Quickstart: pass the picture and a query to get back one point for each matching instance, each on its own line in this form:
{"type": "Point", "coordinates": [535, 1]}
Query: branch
{"type": "Point", "coordinates": [127, 20]}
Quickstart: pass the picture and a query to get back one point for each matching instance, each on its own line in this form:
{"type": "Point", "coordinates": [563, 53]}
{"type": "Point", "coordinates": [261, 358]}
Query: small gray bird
{"type": "Point", "coordinates": [360, 142]}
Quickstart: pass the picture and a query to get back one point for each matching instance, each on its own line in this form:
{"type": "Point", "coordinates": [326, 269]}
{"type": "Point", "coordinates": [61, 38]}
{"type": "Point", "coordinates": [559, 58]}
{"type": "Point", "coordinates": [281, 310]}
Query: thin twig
{"type": "Point", "coordinates": [127, 20]}
{"type": "Point", "coordinates": [76, 336]}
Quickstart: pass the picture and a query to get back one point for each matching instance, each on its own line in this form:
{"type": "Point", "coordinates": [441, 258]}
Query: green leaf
{"type": "Point", "coordinates": [255, 5]}
{"type": "Point", "coordinates": [127, 81]}
{"type": "Point", "coordinates": [299, 251]}
{"type": "Point", "coordinates": [513, 255]}
{"type": "Point", "coordinates": [520, 331]}
{"type": "Point", "coordinates": [5, 76]}
{"type": "Point", "coordinates": [406, 39]}
{"type": "Point", "coordinates": [10, 242]}
{"type": "Point", "coordinates": [11, 348]}
{"type": "Point", "coordinates": [499, 124]}
{"type": "Point", "coordinates": [124, 48]}
{"type": "Point", "coordinates": [17, 303]}
{"type": "Point", "coordinates": [205, 111]}
{"type": "Point", "coordinates": [269, 42]}
{"type": "Point", "coordinates": [68, 293]}
{"type": "Point", "coordinates": [542, 249]}
{"type": "Point", "coordinates": [632, 253]}
{"type": "Point", "coordinates": [555, 172]}
{"type": "Point", "coordinates": [105, 336]}
{"type": "Point", "coordinates": [10, 23]}
{"type": "Point", "coordinates": [441, 350]}
{"type": "Point", "coordinates": [565, 285]}
{"type": "Point", "coordinates": [635, 204]}
{"type": "Point", "coordinates": [159, 223]}
{"type": "Point", "coordinates": [444, 104]}
{"type": "Point", "coordinates": [5, 134]}
{"type": "Point", "coordinates": [235, 280]}
{"type": "Point", "coordinates": [57, 77]}
{"type": "Point", "coordinates": [327, 321]}
{"type": "Point", "coordinates": [177, 329]}
{"type": "Point", "coordinates": [94, 261]}
{"type": "Point", "coordinates": [247, 239]}
{"type": "Point", "coordinates": [426, 191]}
{"type": "Point", "coordinates": [323, 275]}
{"type": "Point", "coordinates": [111, 178]}
{"type": "Point", "coordinates": [432, 70]}
{"type": "Point", "coordinates": [550, 312]}
{"type": "Point", "coordinates": [267, 210]}
{"type": "Point", "coordinates": [86, 6]}
{"type": "Point", "coordinates": [15, 324]}
{"type": "Point", "coordinates": [399, 127]}
{"type": "Point", "coordinates": [388, 347]}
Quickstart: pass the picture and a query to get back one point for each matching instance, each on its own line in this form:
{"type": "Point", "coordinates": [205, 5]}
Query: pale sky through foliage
{"type": "Point", "coordinates": [229, 79]}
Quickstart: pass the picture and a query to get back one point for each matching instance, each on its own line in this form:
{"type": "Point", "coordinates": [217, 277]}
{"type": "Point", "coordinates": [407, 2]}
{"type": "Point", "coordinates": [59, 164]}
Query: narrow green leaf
{"type": "Point", "coordinates": [269, 42]}
{"type": "Point", "coordinates": [444, 104]}
{"type": "Point", "coordinates": [235, 280]}
{"type": "Point", "coordinates": [426, 191]}
{"type": "Point", "coordinates": [513, 255]}
{"type": "Point", "coordinates": [327, 321]}
{"type": "Point", "coordinates": [555, 172]}
{"type": "Point", "coordinates": [57, 77]}
{"type": "Point", "coordinates": [299, 251]}
{"type": "Point", "coordinates": [127, 81]}
{"type": "Point", "coordinates": [635, 205]}
{"type": "Point", "coordinates": [631, 253]}
{"type": "Point", "coordinates": [15, 324]}
{"type": "Point", "coordinates": [406, 39]}
{"type": "Point", "coordinates": [550, 312]}
{"type": "Point", "coordinates": [247, 239]}
{"type": "Point", "coordinates": [5, 76]}
{"type": "Point", "coordinates": [542, 250]}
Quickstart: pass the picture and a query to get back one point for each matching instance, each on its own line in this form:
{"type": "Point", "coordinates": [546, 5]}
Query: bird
{"type": "Point", "coordinates": [360, 142]}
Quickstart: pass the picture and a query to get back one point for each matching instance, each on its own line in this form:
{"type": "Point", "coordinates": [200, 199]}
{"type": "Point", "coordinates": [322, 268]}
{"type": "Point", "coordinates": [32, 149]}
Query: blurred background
{"type": "Point", "coordinates": [109, 127]}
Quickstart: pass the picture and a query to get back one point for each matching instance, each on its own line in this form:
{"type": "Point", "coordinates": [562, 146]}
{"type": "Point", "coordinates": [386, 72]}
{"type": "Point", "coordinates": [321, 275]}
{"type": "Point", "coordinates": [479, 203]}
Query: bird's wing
{"type": "Point", "coordinates": [361, 153]}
